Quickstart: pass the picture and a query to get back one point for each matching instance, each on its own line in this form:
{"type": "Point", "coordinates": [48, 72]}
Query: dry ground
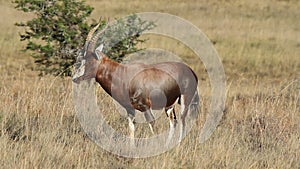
{"type": "Point", "coordinates": [259, 44]}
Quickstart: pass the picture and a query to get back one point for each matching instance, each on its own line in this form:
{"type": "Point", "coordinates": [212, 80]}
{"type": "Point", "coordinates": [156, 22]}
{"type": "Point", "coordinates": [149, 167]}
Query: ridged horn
{"type": "Point", "coordinates": [92, 31]}
{"type": "Point", "coordinates": [95, 38]}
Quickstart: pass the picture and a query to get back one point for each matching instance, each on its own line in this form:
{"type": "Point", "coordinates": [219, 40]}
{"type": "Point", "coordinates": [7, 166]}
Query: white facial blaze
{"type": "Point", "coordinates": [80, 71]}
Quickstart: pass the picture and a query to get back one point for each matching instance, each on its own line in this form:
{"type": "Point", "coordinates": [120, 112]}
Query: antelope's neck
{"type": "Point", "coordinates": [107, 70]}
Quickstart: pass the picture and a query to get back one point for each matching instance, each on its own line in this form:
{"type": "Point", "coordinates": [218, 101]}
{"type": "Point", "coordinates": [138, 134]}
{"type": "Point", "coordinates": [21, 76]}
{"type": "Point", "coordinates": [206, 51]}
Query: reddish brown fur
{"type": "Point", "coordinates": [131, 84]}
{"type": "Point", "coordinates": [142, 87]}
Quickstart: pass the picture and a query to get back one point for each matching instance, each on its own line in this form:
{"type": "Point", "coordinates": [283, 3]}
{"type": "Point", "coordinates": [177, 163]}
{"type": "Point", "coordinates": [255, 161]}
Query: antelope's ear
{"type": "Point", "coordinates": [98, 51]}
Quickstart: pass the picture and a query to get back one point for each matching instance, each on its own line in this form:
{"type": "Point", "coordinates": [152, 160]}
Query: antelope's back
{"type": "Point", "coordinates": [183, 74]}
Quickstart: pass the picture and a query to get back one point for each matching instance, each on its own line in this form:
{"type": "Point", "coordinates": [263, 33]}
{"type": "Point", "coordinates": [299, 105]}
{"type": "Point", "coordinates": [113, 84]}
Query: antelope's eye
{"type": "Point", "coordinates": [79, 64]}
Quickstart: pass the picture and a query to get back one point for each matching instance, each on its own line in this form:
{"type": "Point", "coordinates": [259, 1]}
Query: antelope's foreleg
{"type": "Point", "coordinates": [150, 119]}
{"type": "Point", "coordinates": [132, 129]}
{"type": "Point", "coordinates": [130, 117]}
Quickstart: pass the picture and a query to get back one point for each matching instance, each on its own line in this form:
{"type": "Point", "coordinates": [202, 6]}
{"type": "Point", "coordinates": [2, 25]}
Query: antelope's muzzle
{"type": "Point", "coordinates": [79, 72]}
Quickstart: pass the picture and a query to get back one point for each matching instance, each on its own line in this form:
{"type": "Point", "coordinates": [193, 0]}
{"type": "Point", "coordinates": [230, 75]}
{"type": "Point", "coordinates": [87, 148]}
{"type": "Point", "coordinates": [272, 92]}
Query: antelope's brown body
{"type": "Point", "coordinates": [139, 86]}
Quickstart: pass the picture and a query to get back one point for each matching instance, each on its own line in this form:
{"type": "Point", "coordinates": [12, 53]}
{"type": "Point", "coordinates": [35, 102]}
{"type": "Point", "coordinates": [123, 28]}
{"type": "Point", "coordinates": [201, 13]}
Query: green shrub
{"type": "Point", "coordinates": [58, 32]}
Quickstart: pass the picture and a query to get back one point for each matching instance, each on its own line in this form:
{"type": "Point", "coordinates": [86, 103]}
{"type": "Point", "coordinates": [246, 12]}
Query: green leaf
{"type": "Point", "coordinates": [59, 29]}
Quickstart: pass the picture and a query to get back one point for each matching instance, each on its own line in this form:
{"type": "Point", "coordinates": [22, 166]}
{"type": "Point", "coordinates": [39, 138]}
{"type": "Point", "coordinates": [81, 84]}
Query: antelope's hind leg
{"type": "Point", "coordinates": [185, 101]}
{"type": "Point", "coordinates": [173, 122]}
{"type": "Point", "coordinates": [183, 112]}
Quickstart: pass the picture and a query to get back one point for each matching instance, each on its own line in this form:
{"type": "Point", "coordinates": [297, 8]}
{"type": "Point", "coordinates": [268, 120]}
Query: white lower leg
{"type": "Point", "coordinates": [150, 119]}
{"type": "Point", "coordinates": [132, 129]}
{"type": "Point", "coordinates": [172, 125]}
{"type": "Point", "coordinates": [151, 128]}
{"type": "Point", "coordinates": [182, 109]}
{"type": "Point", "coordinates": [171, 132]}
{"type": "Point", "coordinates": [181, 134]}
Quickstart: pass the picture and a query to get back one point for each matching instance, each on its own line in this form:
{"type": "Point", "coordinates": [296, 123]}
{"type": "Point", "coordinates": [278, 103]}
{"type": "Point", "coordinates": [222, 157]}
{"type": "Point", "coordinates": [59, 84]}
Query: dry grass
{"type": "Point", "coordinates": [259, 44]}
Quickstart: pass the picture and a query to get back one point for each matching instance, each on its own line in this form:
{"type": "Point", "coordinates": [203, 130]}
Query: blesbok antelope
{"type": "Point", "coordinates": [139, 86]}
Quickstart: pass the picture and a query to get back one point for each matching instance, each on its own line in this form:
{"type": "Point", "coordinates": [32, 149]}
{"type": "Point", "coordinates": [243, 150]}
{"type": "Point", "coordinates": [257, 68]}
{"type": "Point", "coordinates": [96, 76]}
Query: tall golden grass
{"type": "Point", "coordinates": [259, 44]}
